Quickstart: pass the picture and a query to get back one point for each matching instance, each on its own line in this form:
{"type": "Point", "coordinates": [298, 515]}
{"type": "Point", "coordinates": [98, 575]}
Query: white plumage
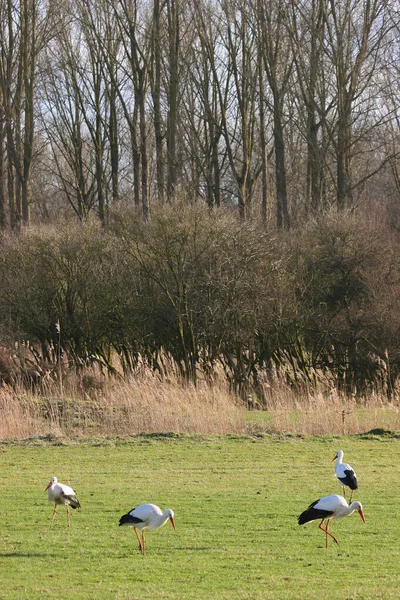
{"type": "Point", "coordinates": [59, 493]}
{"type": "Point", "coordinates": [345, 473]}
{"type": "Point", "coordinates": [329, 507]}
{"type": "Point", "coordinates": [146, 516]}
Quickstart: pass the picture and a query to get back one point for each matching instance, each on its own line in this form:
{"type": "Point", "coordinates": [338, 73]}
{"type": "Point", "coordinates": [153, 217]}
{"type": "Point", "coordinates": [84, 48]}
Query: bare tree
{"type": "Point", "coordinates": [234, 72]}
{"type": "Point", "coordinates": [306, 27]}
{"type": "Point", "coordinates": [136, 47]}
{"type": "Point", "coordinates": [10, 83]}
{"type": "Point", "coordinates": [64, 120]}
{"type": "Point", "coordinates": [278, 64]}
{"type": "Point", "coordinates": [25, 28]}
{"type": "Point", "coordinates": [211, 98]}
{"type": "Point", "coordinates": [155, 72]}
{"type": "Point", "coordinates": [2, 164]}
{"type": "Point", "coordinates": [355, 31]}
{"type": "Point", "coordinates": [262, 112]}
{"type": "Point", "coordinates": [390, 135]}
{"type": "Point", "coordinates": [240, 45]}
{"type": "Point", "coordinates": [202, 123]}
{"type": "Point", "coordinates": [172, 92]}
{"type": "Point", "coordinates": [93, 94]}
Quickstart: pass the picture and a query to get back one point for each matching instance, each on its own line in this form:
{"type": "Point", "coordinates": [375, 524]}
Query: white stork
{"type": "Point", "coordinates": [147, 515]}
{"type": "Point", "coordinates": [345, 473]}
{"type": "Point", "coordinates": [329, 507]}
{"type": "Point", "coordinates": [59, 493]}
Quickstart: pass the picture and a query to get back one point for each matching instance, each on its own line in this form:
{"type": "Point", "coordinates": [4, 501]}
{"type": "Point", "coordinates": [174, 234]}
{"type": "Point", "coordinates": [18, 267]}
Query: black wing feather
{"type": "Point", "coordinates": [311, 514]}
{"type": "Point", "coordinates": [73, 501]}
{"type": "Point", "coordinates": [128, 519]}
{"type": "Point", "coordinates": [350, 480]}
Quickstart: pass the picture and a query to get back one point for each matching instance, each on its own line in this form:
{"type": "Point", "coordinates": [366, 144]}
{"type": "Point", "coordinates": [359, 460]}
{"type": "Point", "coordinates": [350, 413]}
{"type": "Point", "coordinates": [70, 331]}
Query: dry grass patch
{"type": "Point", "coordinates": [146, 404]}
{"type": "Point", "coordinates": [19, 415]}
{"type": "Point", "coordinates": [328, 421]}
{"type": "Point", "coordinates": [93, 406]}
{"type": "Point", "coordinates": [321, 412]}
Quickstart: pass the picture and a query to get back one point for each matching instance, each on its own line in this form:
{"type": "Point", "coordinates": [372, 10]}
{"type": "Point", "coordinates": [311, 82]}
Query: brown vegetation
{"type": "Point", "coordinates": [93, 405]}
{"type": "Point", "coordinates": [194, 294]}
{"type": "Point", "coordinates": [192, 189]}
{"type": "Point", "coordinates": [194, 299]}
{"type": "Point", "coordinates": [324, 411]}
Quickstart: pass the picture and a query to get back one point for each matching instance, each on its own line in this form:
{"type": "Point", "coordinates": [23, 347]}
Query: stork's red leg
{"type": "Point", "coordinates": [327, 532]}
{"type": "Point", "coordinates": [68, 517]}
{"type": "Point", "coordinates": [54, 514]}
{"type": "Point", "coordinates": [140, 543]}
{"type": "Point", "coordinates": [143, 544]}
{"type": "Point", "coordinates": [332, 536]}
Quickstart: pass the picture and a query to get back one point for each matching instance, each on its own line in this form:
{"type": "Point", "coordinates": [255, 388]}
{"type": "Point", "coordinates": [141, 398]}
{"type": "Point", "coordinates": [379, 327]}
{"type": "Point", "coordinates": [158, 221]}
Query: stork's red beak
{"type": "Point", "coordinates": [48, 485]}
{"type": "Point", "coordinates": [172, 523]}
{"type": "Point", "coordinates": [362, 515]}
{"type": "Point", "coordinates": [334, 458]}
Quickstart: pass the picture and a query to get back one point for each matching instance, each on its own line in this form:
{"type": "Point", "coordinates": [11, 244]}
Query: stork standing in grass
{"type": "Point", "coordinates": [147, 515]}
{"type": "Point", "coordinates": [329, 507]}
{"type": "Point", "coordinates": [59, 493]}
{"type": "Point", "coordinates": [345, 473]}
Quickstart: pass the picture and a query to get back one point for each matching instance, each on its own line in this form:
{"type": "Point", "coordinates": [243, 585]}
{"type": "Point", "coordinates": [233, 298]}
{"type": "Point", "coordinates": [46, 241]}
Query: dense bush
{"type": "Point", "coordinates": [346, 277]}
{"type": "Point", "coordinates": [193, 292]}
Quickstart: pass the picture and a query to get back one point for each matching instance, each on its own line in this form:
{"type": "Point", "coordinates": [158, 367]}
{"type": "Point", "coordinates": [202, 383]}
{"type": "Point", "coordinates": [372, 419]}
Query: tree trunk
{"type": "Point", "coordinates": [2, 166]}
{"type": "Point", "coordinates": [156, 95]}
{"type": "Point", "coordinates": [263, 141]}
{"type": "Point", "coordinates": [114, 151]}
{"type": "Point", "coordinates": [28, 69]}
{"type": "Point", "coordinates": [99, 167]}
{"type": "Point", "coordinates": [343, 157]}
{"type": "Point", "coordinates": [12, 203]}
{"type": "Point", "coordinates": [143, 144]}
{"type": "Point", "coordinates": [173, 35]}
{"type": "Point", "coordinates": [135, 155]}
{"type": "Point", "coordinates": [278, 63]}
{"type": "Point", "coordinates": [282, 215]}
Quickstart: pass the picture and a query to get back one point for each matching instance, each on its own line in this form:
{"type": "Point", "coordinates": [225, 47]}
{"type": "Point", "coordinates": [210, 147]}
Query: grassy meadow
{"type": "Point", "coordinates": [236, 501]}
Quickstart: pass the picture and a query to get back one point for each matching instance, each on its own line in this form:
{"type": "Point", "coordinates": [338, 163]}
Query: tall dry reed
{"type": "Point", "coordinates": [321, 409]}
{"type": "Point", "coordinates": [19, 415]}
{"type": "Point", "coordinates": [94, 405]}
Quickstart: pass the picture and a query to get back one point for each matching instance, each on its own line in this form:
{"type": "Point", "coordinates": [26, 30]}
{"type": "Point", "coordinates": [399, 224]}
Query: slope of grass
{"type": "Point", "coordinates": [236, 502]}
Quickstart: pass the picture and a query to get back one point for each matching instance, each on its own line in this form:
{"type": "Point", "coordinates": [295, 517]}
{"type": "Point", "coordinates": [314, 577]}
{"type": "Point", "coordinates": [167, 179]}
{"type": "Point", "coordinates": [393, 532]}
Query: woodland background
{"type": "Point", "coordinates": [201, 187]}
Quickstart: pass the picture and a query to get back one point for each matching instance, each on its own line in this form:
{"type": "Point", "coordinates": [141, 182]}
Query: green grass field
{"type": "Point", "coordinates": [236, 502]}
